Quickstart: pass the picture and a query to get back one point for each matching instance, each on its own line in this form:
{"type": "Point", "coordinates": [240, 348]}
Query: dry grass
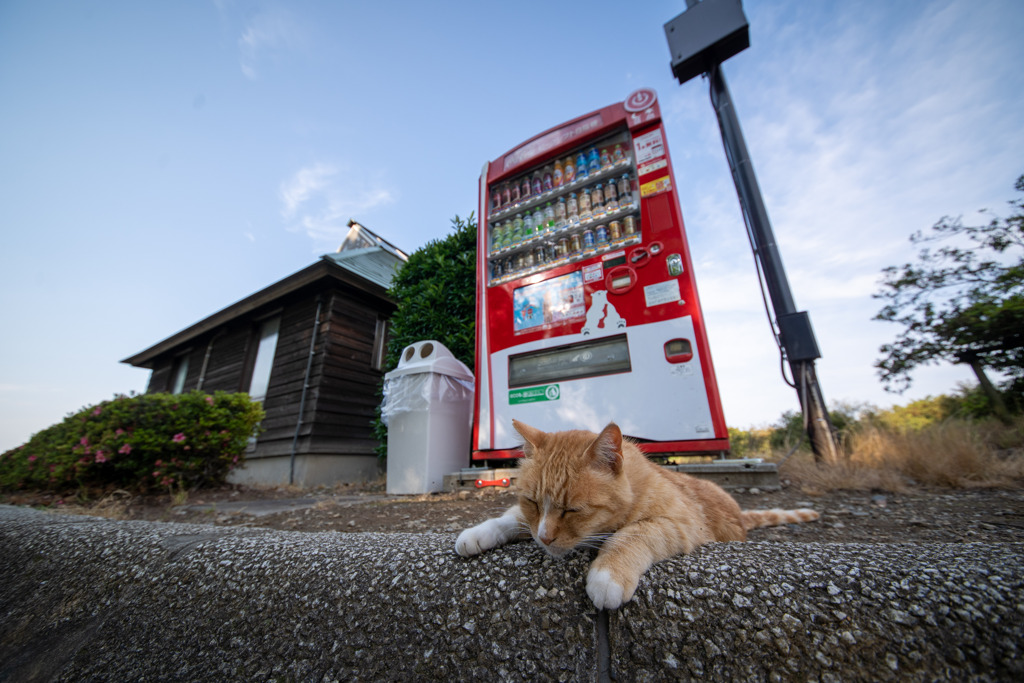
{"type": "Point", "coordinates": [953, 453]}
{"type": "Point", "coordinates": [114, 505]}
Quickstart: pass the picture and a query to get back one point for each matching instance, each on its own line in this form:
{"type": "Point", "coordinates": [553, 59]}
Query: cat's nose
{"type": "Point", "coordinates": [547, 540]}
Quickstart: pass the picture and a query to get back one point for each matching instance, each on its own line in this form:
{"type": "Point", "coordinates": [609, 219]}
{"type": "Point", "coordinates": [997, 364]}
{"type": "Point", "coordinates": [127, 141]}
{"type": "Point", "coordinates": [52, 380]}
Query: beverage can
{"type": "Point", "coordinates": [538, 184]}
{"type": "Point", "coordinates": [557, 176]}
{"type": "Point", "coordinates": [629, 226]}
{"type": "Point", "coordinates": [547, 181]}
{"type": "Point", "coordinates": [573, 209]}
{"type": "Point", "coordinates": [581, 166]}
{"type": "Point", "coordinates": [562, 248]}
{"type": "Point", "coordinates": [601, 235]}
{"type": "Point", "coordinates": [588, 240]}
{"type": "Point", "coordinates": [569, 171]}
{"type": "Point", "coordinates": [593, 161]}
{"type": "Point", "coordinates": [540, 255]}
{"type": "Point", "coordinates": [575, 244]}
{"type": "Point", "coordinates": [606, 158]}
{"type": "Point", "coordinates": [615, 231]}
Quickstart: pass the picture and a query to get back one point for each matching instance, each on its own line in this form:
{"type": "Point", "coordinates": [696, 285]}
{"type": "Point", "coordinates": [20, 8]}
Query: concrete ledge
{"type": "Point", "coordinates": [89, 599]}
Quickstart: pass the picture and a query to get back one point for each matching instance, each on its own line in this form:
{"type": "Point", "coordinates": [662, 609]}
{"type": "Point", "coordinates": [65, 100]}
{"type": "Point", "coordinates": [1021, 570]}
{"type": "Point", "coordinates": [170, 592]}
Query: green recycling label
{"type": "Point", "coordinates": [534, 394]}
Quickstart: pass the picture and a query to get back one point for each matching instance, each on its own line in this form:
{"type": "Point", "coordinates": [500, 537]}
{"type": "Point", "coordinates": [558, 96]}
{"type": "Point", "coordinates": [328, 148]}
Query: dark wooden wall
{"type": "Point", "coordinates": [342, 394]}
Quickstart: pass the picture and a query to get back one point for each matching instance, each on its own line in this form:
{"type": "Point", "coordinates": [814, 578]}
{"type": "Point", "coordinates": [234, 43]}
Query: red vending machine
{"type": "Point", "coordinates": [587, 307]}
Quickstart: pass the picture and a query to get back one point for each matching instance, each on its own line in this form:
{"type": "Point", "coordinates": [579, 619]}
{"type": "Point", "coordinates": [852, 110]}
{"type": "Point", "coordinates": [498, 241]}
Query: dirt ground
{"type": "Point", "coordinates": [918, 515]}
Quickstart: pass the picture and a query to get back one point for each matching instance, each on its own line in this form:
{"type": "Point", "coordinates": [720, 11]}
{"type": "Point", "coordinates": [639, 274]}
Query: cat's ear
{"type": "Point", "coordinates": [606, 451]}
{"type": "Point", "coordinates": [531, 436]}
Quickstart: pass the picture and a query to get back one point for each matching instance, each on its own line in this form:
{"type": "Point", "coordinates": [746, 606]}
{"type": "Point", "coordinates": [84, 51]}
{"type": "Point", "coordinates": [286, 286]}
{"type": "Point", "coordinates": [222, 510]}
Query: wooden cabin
{"type": "Point", "coordinates": [311, 348]}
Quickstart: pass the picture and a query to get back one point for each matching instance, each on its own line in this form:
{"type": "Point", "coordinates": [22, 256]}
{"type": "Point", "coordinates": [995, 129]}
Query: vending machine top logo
{"type": "Point", "coordinates": [641, 99]}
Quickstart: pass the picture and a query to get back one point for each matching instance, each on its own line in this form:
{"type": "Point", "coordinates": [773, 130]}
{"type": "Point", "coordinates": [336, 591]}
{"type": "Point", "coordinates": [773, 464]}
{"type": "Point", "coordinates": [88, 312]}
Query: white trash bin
{"type": "Point", "coordinates": [428, 409]}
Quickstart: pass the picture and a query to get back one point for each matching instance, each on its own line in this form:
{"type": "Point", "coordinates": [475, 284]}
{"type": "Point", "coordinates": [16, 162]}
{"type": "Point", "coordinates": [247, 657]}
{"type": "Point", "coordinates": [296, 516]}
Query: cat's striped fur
{"type": "Point", "coordinates": [580, 489]}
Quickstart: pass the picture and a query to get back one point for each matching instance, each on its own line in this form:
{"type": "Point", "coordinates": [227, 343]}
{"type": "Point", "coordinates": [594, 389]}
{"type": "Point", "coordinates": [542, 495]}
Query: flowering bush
{"type": "Point", "coordinates": [153, 441]}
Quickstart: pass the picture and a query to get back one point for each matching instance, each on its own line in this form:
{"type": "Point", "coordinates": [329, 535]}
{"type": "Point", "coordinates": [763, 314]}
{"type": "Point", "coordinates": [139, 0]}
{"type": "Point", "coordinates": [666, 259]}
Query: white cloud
{"type": "Point", "coordinates": [268, 34]}
{"type": "Point", "coordinates": [321, 198]}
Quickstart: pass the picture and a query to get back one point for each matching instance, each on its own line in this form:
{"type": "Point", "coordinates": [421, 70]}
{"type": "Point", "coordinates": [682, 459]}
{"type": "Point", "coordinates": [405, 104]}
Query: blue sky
{"type": "Point", "coordinates": [159, 160]}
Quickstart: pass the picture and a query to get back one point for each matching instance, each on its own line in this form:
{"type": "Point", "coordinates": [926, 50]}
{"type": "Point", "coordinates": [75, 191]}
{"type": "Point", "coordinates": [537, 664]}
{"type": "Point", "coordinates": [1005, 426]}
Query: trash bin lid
{"type": "Point", "coordinates": [430, 356]}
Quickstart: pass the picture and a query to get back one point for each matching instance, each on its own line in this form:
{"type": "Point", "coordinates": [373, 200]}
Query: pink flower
{"type": "Point", "coordinates": [125, 449]}
{"type": "Point", "coordinates": [84, 441]}
{"type": "Point", "coordinates": [119, 432]}
{"type": "Point", "coordinates": [97, 411]}
{"type": "Point", "coordinates": [209, 400]}
{"type": "Point", "coordinates": [100, 457]}
{"type": "Point", "coordinates": [179, 437]}
{"type": "Point", "coordinates": [159, 463]}
{"type": "Point", "coordinates": [31, 458]}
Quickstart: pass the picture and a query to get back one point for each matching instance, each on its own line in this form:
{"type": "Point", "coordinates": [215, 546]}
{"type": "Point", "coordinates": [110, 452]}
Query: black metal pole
{"type": "Point", "coordinates": [812, 401]}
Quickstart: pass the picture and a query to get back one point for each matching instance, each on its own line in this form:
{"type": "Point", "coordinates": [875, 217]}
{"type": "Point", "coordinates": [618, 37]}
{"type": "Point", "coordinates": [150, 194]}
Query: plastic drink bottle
{"type": "Point", "coordinates": [560, 213]}
{"type": "Point", "coordinates": [557, 177]}
{"type": "Point", "coordinates": [581, 166]}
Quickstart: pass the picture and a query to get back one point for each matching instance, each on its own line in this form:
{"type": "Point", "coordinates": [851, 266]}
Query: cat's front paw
{"type": "Point", "coordinates": [605, 591]}
{"type": "Point", "coordinates": [479, 538]}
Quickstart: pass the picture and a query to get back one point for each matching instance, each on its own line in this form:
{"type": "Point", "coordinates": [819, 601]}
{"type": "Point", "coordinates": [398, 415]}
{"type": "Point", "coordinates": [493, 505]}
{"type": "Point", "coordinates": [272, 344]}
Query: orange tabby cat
{"type": "Point", "coordinates": [580, 489]}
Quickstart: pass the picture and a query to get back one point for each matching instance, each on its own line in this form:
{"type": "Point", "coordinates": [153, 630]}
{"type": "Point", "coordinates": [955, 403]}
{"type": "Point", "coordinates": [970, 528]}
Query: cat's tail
{"type": "Point", "coordinates": [753, 519]}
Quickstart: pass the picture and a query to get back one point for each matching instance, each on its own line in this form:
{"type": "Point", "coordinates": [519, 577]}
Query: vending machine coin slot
{"type": "Point", "coordinates": [678, 351]}
{"type": "Point", "coordinates": [639, 257]}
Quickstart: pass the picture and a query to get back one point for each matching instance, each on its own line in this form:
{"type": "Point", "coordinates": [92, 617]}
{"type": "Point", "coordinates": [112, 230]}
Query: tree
{"type": "Point", "coordinates": [435, 293]}
{"type": "Point", "coordinates": [962, 301]}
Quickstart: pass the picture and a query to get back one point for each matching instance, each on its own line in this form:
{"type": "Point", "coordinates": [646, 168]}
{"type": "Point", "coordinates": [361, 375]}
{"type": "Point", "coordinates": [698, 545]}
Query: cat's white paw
{"type": "Point", "coordinates": [604, 590]}
{"type": "Point", "coordinates": [484, 536]}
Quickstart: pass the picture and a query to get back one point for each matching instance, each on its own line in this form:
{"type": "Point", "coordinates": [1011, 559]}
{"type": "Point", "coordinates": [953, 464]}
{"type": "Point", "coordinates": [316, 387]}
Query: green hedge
{"type": "Point", "coordinates": [140, 443]}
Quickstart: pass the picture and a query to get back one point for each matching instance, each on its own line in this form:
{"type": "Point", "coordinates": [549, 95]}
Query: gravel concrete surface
{"type": "Point", "coordinates": [86, 598]}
